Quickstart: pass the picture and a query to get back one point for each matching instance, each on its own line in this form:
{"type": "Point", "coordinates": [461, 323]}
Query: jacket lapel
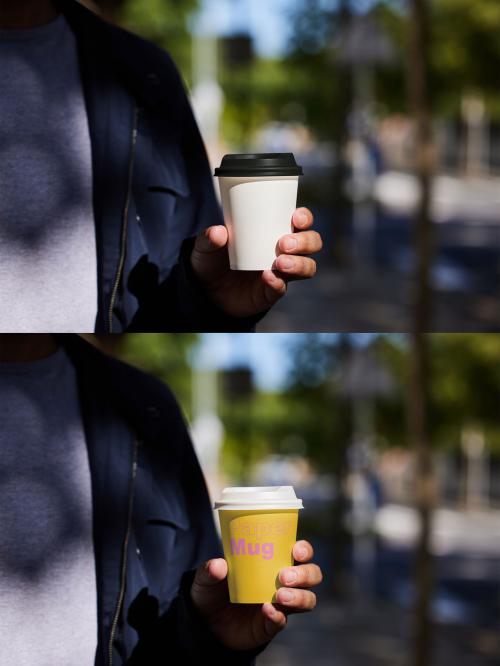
{"type": "Point", "coordinates": [110, 111]}
{"type": "Point", "coordinates": [110, 449]}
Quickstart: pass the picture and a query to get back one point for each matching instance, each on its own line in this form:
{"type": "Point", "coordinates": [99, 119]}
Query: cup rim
{"type": "Point", "coordinates": [258, 506]}
{"type": "Point", "coordinates": [248, 165]}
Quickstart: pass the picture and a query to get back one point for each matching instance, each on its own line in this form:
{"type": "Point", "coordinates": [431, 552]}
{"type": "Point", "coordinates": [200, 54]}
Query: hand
{"type": "Point", "coordinates": [248, 626]}
{"type": "Point", "coordinates": [244, 294]}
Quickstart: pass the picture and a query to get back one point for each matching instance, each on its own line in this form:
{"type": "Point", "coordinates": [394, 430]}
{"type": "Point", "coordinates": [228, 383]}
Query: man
{"type": "Point", "coordinates": [108, 552]}
{"type": "Point", "coordinates": [108, 216]}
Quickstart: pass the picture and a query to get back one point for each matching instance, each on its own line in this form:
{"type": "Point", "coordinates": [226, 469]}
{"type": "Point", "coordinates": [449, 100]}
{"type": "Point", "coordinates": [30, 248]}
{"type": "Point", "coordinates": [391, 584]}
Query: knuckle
{"type": "Point", "coordinates": [305, 575]}
{"type": "Point", "coordinates": [306, 600]}
{"type": "Point", "coordinates": [308, 241]}
{"type": "Point", "coordinates": [311, 575]}
{"type": "Point", "coordinates": [317, 574]}
{"type": "Point", "coordinates": [300, 600]}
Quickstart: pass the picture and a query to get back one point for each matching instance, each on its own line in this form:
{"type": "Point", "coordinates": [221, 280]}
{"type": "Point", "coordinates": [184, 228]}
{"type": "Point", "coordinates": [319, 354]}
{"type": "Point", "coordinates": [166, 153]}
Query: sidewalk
{"type": "Point", "coordinates": [374, 301]}
{"type": "Point", "coordinates": [373, 635]}
{"type": "Point", "coordinates": [470, 199]}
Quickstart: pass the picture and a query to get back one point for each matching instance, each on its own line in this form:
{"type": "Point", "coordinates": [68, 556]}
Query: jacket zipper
{"type": "Point", "coordinates": [124, 557]}
{"type": "Point", "coordinates": [124, 231]}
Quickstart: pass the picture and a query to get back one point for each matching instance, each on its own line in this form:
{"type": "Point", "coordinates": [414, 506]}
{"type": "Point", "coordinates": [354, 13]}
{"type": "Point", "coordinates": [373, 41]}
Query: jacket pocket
{"type": "Point", "coordinates": [162, 534]}
{"type": "Point", "coordinates": [160, 186]}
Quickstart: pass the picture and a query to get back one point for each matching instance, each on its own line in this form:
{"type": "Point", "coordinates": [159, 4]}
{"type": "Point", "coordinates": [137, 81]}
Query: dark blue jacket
{"type": "Point", "coordinates": [153, 522]}
{"type": "Point", "coordinates": [153, 190]}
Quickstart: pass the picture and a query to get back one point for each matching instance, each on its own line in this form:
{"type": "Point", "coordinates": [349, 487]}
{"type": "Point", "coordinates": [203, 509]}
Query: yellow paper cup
{"type": "Point", "coordinates": [259, 529]}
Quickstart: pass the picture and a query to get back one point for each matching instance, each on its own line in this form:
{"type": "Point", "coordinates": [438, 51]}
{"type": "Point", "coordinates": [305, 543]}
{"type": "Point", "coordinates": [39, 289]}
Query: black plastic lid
{"type": "Point", "coordinates": [266, 164]}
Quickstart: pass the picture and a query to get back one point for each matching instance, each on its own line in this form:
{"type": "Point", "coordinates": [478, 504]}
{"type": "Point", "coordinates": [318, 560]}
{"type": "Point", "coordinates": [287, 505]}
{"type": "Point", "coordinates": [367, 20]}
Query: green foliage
{"type": "Point", "coordinates": [252, 431]}
{"type": "Point", "coordinates": [465, 388]}
{"type": "Point", "coordinates": [464, 57]}
{"type": "Point", "coordinates": [315, 27]}
{"type": "Point", "coordinates": [466, 51]}
{"type": "Point", "coordinates": [306, 418]}
{"type": "Point", "coordinates": [305, 422]}
{"type": "Point", "coordinates": [312, 417]}
{"type": "Point", "coordinates": [164, 22]}
{"type": "Point", "coordinates": [164, 355]}
{"type": "Point", "coordinates": [275, 90]}
{"type": "Point", "coordinates": [465, 393]}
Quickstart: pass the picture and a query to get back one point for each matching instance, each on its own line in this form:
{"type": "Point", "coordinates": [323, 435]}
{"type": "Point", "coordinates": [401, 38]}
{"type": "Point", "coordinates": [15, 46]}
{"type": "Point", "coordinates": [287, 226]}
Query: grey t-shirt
{"type": "Point", "coordinates": [48, 597]}
{"type": "Point", "coordinates": [48, 259]}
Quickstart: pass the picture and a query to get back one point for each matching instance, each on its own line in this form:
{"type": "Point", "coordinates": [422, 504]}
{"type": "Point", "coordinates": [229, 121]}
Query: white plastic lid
{"type": "Point", "coordinates": [267, 497]}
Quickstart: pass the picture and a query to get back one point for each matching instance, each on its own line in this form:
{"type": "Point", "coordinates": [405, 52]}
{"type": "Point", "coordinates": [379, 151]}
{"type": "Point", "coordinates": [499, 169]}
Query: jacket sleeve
{"type": "Point", "coordinates": [180, 635]}
{"type": "Point", "coordinates": [180, 303]}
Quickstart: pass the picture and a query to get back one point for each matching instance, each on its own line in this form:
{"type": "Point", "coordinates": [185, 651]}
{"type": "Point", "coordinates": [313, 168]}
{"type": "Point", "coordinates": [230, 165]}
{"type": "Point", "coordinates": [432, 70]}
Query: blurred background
{"type": "Point", "coordinates": [328, 414]}
{"type": "Point", "coordinates": [328, 80]}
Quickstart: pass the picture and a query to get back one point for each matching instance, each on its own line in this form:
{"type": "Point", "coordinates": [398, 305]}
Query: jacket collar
{"type": "Point", "coordinates": [146, 80]}
{"type": "Point", "coordinates": [140, 400]}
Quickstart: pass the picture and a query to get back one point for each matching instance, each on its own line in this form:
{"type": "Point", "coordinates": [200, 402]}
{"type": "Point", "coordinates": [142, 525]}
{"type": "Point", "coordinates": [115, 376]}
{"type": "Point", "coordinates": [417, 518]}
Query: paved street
{"type": "Point", "coordinates": [362, 634]}
{"type": "Point", "coordinates": [373, 301]}
{"type": "Point", "coordinates": [364, 280]}
{"type": "Point", "coordinates": [369, 623]}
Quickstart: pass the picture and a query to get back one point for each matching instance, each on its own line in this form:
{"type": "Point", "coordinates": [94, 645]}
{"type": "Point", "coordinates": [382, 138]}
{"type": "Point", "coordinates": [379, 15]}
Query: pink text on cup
{"type": "Point", "coordinates": [241, 547]}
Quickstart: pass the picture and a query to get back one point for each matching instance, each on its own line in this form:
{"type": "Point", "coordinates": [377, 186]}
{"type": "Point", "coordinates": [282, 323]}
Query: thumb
{"type": "Point", "coordinates": [211, 240]}
{"type": "Point", "coordinates": [209, 590]}
{"type": "Point", "coordinates": [209, 258]}
{"type": "Point", "coordinates": [211, 573]}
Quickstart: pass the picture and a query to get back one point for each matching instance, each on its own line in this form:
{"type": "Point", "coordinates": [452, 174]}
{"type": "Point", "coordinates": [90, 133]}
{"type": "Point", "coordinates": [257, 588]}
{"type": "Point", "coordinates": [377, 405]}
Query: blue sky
{"type": "Point", "coordinates": [267, 354]}
{"type": "Point", "coordinates": [265, 19]}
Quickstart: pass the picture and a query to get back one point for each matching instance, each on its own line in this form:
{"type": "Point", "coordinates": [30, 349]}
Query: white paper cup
{"type": "Point", "coordinates": [259, 197]}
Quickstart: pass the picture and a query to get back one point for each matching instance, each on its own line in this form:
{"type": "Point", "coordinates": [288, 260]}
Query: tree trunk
{"type": "Point", "coordinates": [418, 416]}
{"type": "Point", "coordinates": [424, 159]}
{"type": "Point", "coordinates": [424, 497]}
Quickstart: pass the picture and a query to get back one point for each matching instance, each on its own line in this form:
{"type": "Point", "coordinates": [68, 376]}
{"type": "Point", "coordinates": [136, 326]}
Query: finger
{"type": "Point", "coordinates": [307, 242]}
{"type": "Point", "coordinates": [303, 219]}
{"type": "Point", "coordinates": [209, 590]}
{"type": "Point", "coordinates": [297, 600]}
{"type": "Point", "coordinates": [275, 620]}
{"type": "Point", "coordinates": [211, 240]}
{"type": "Point", "coordinates": [305, 575]}
{"type": "Point", "coordinates": [303, 551]}
{"type": "Point", "coordinates": [274, 287]}
{"type": "Point", "coordinates": [300, 268]}
{"type": "Point", "coordinates": [211, 573]}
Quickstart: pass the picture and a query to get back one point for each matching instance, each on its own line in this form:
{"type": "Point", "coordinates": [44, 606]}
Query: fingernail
{"type": "Point", "coordinates": [290, 577]}
{"type": "Point", "coordinates": [290, 244]}
{"type": "Point", "coordinates": [301, 552]}
{"type": "Point", "coordinates": [285, 263]}
{"type": "Point", "coordinates": [302, 219]}
{"type": "Point", "coordinates": [286, 595]}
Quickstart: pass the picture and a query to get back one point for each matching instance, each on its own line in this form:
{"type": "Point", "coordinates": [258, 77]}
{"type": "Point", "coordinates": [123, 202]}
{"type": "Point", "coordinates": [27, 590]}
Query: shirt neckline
{"type": "Point", "coordinates": [40, 33]}
{"type": "Point", "coordinates": [39, 367]}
